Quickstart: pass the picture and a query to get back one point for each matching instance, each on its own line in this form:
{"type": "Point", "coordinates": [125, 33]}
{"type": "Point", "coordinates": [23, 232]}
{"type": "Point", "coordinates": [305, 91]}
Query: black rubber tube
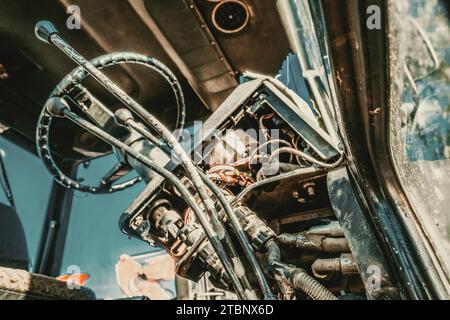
{"type": "Point", "coordinates": [244, 242]}
{"type": "Point", "coordinates": [297, 277]}
{"type": "Point", "coordinates": [74, 78]}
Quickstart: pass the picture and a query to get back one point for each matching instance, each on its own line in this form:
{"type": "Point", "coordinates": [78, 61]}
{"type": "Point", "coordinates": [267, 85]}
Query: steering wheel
{"type": "Point", "coordinates": [74, 79]}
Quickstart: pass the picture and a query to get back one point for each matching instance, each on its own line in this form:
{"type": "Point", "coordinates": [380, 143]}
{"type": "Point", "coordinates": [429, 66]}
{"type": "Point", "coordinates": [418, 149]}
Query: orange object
{"type": "Point", "coordinates": [77, 278]}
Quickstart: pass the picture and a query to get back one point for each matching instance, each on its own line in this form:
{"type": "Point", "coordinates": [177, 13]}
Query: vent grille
{"type": "Point", "coordinates": [230, 16]}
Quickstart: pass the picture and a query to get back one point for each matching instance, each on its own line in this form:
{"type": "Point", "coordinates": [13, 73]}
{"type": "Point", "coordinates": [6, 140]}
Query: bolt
{"type": "Point", "coordinates": [309, 187]}
{"type": "Point", "coordinates": [137, 222]}
{"type": "Point", "coordinates": [345, 261]}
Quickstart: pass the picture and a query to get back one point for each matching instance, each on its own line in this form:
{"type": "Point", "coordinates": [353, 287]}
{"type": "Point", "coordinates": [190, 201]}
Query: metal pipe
{"type": "Point", "coordinates": [345, 264]}
{"type": "Point", "coordinates": [314, 242]}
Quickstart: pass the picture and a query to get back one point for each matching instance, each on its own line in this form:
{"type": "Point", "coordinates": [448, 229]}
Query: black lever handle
{"type": "Point", "coordinates": [44, 30]}
{"type": "Point", "coordinates": [56, 106]}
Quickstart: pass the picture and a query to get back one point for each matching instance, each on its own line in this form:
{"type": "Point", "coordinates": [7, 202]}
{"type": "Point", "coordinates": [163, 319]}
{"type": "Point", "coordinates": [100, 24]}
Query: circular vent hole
{"type": "Point", "coordinates": [230, 16]}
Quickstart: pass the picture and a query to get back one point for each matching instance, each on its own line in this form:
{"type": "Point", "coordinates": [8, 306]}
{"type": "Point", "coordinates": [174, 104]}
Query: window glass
{"type": "Point", "coordinates": [304, 24]}
{"type": "Point", "coordinates": [30, 185]}
{"type": "Point", "coordinates": [94, 242]}
{"type": "Point", "coordinates": [420, 106]}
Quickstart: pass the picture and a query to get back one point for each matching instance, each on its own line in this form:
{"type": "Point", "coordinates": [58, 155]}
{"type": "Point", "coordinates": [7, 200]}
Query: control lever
{"type": "Point", "coordinates": [44, 30]}
{"type": "Point", "coordinates": [59, 108]}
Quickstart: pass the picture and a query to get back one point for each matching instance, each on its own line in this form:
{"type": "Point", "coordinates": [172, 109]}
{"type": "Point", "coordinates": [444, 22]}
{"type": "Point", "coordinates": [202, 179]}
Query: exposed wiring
{"type": "Point", "coordinates": [244, 242]}
{"type": "Point", "coordinates": [255, 152]}
{"type": "Point", "coordinates": [247, 159]}
{"type": "Point", "coordinates": [229, 176]}
{"type": "Point", "coordinates": [295, 144]}
{"type": "Point", "coordinates": [307, 157]}
{"type": "Point", "coordinates": [263, 128]}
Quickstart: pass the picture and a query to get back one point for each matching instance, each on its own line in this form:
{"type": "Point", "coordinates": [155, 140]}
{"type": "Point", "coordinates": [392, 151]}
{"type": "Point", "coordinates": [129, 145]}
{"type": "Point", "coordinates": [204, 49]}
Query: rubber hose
{"type": "Point", "coordinates": [273, 253]}
{"type": "Point", "coordinates": [310, 286]}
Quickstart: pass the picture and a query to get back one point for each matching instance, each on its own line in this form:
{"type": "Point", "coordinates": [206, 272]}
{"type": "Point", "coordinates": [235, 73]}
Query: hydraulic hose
{"type": "Point", "coordinates": [273, 254]}
{"type": "Point", "coordinates": [242, 238]}
{"type": "Point", "coordinates": [296, 277]}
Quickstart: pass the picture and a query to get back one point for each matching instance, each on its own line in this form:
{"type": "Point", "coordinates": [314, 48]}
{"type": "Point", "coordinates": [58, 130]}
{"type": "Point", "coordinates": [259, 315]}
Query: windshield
{"type": "Point", "coordinates": [420, 125]}
{"type": "Point", "coordinates": [30, 187]}
{"type": "Point", "coordinates": [304, 24]}
{"type": "Point", "coordinates": [94, 243]}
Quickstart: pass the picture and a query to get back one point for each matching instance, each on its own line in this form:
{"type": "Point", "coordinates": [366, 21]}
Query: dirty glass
{"type": "Point", "coordinates": [304, 22]}
{"type": "Point", "coordinates": [420, 118]}
{"type": "Point", "coordinates": [31, 186]}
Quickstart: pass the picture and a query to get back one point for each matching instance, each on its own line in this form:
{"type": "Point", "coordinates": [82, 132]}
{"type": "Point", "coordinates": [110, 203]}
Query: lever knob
{"type": "Point", "coordinates": [56, 106]}
{"type": "Point", "coordinates": [123, 116]}
{"type": "Point", "coordinates": [44, 30]}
